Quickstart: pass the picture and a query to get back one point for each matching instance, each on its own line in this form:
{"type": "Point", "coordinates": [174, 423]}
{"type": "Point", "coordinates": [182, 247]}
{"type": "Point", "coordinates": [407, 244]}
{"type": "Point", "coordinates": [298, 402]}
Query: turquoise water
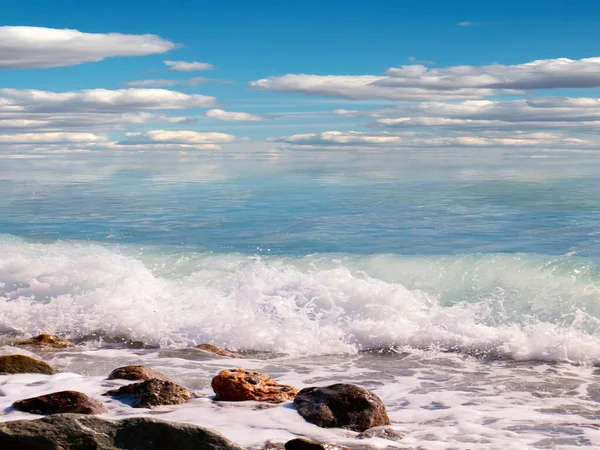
{"type": "Point", "coordinates": [298, 204]}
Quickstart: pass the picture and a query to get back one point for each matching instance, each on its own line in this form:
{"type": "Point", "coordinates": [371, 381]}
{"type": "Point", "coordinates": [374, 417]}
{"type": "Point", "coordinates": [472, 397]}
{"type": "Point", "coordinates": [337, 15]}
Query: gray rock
{"type": "Point", "coordinates": [78, 432]}
{"type": "Point", "coordinates": [383, 433]}
{"type": "Point", "coordinates": [341, 405]}
{"type": "Point", "coordinates": [154, 392]}
{"type": "Point", "coordinates": [59, 403]}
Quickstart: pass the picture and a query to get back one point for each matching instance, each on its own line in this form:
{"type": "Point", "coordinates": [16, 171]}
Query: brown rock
{"type": "Point", "coordinates": [218, 351]}
{"type": "Point", "coordinates": [24, 364]}
{"type": "Point", "coordinates": [59, 403]}
{"type": "Point", "coordinates": [46, 341]}
{"type": "Point", "coordinates": [341, 405]}
{"type": "Point", "coordinates": [153, 392]}
{"type": "Point", "coordinates": [239, 384]}
{"type": "Point", "coordinates": [137, 373]}
{"type": "Point", "coordinates": [304, 444]}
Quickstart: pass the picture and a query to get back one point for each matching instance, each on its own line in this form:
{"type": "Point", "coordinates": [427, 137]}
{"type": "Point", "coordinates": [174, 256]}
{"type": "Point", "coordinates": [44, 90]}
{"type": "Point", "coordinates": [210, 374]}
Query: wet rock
{"type": "Point", "coordinates": [80, 432]}
{"type": "Point", "coordinates": [239, 385]}
{"type": "Point", "coordinates": [274, 446]}
{"type": "Point", "coordinates": [137, 373]}
{"type": "Point", "coordinates": [111, 340]}
{"type": "Point", "coordinates": [304, 444]}
{"type": "Point", "coordinates": [24, 364]}
{"type": "Point", "coordinates": [341, 405]}
{"type": "Point", "coordinates": [60, 403]}
{"type": "Point", "coordinates": [383, 433]}
{"type": "Point", "coordinates": [218, 350]}
{"type": "Point", "coordinates": [46, 342]}
{"type": "Point", "coordinates": [154, 392]}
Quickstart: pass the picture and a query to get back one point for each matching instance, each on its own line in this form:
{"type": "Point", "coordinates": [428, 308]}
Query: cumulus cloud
{"type": "Point", "coordinates": [77, 142]}
{"type": "Point", "coordinates": [51, 138]}
{"type": "Point", "coordinates": [230, 116]}
{"type": "Point", "coordinates": [418, 82]}
{"type": "Point", "coordinates": [94, 100]}
{"type": "Point", "coordinates": [545, 112]}
{"type": "Point", "coordinates": [358, 87]}
{"type": "Point", "coordinates": [179, 138]}
{"type": "Point", "coordinates": [36, 47]}
{"type": "Point", "coordinates": [188, 66]}
{"type": "Point", "coordinates": [93, 110]}
{"type": "Point", "coordinates": [372, 141]}
{"type": "Point", "coordinates": [539, 74]}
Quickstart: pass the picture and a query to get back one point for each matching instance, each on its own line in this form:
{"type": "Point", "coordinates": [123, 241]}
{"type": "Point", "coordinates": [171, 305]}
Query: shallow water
{"type": "Point", "coordinates": [481, 271]}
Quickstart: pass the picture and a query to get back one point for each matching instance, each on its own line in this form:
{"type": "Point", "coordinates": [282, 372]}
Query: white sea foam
{"type": "Point", "coordinates": [516, 306]}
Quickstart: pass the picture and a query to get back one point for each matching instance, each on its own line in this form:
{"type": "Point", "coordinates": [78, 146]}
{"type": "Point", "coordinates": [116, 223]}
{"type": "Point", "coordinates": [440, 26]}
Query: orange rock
{"type": "Point", "coordinates": [46, 341]}
{"type": "Point", "coordinates": [218, 350]}
{"type": "Point", "coordinates": [239, 384]}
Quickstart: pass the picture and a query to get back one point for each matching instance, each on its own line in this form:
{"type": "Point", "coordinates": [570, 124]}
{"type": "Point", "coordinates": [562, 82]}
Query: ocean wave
{"type": "Point", "coordinates": [518, 306]}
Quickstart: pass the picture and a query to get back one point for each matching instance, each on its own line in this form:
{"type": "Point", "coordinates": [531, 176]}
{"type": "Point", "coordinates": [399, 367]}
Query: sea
{"type": "Point", "coordinates": [462, 286]}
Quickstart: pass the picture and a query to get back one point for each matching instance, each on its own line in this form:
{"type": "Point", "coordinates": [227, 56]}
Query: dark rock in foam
{"type": "Point", "coordinates": [60, 403]}
{"type": "Point", "coordinates": [80, 432]}
{"type": "Point", "coordinates": [304, 444]}
{"type": "Point", "coordinates": [24, 364]}
{"type": "Point", "coordinates": [341, 405]}
{"type": "Point", "coordinates": [154, 392]}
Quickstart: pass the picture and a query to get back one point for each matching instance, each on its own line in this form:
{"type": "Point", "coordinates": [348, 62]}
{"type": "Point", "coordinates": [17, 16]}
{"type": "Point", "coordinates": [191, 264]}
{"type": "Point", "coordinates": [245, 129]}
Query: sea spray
{"type": "Point", "coordinates": [515, 306]}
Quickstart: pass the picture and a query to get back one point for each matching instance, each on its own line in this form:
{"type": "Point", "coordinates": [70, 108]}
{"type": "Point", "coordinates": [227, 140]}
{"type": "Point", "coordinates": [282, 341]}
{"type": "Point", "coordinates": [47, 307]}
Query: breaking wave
{"type": "Point", "coordinates": [517, 306]}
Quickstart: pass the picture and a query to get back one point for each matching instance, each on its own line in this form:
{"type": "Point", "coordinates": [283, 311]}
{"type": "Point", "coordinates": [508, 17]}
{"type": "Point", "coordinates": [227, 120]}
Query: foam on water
{"type": "Point", "coordinates": [518, 306]}
{"type": "Point", "coordinates": [441, 401]}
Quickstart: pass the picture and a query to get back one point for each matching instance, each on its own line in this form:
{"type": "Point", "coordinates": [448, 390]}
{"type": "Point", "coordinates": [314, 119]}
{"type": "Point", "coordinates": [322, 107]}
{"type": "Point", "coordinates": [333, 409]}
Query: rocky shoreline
{"type": "Point", "coordinates": [71, 424]}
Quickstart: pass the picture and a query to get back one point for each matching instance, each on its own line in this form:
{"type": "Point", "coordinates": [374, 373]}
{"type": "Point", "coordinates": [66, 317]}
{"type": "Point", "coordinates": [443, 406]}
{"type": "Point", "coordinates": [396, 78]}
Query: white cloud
{"type": "Point", "coordinates": [539, 74]}
{"type": "Point", "coordinates": [230, 116]}
{"type": "Point", "coordinates": [190, 82]}
{"type": "Point", "coordinates": [418, 82]}
{"type": "Point", "coordinates": [178, 139]}
{"type": "Point", "coordinates": [339, 139]}
{"type": "Point", "coordinates": [36, 47]}
{"type": "Point", "coordinates": [358, 87]}
{"type": "Point", "coordinates": [371, 141]}
{"type": "Point", "coordinates": [100, 100]}
{"type": "Point", "coordinates": [51, 138]}
{"type": "Point", "coordinates": [152, 83]}
{"type": "Point", "coordinates": [179, 119]}
{"type": "Point", "coordinates": [188, 66]}
{"type": "Point", "coordinates": [546, 112]}
{"type": "Point", "coordinates": [466, 23]}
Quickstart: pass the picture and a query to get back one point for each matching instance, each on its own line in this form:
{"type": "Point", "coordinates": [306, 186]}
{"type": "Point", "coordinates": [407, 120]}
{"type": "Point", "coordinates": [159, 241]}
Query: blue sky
{"type": "Point", "coordinates": [286, 75]}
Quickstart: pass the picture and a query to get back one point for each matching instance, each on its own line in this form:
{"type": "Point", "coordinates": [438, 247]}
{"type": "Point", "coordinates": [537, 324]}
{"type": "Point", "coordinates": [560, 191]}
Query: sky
{"type": "Point", "coordinates": [185, 76]}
